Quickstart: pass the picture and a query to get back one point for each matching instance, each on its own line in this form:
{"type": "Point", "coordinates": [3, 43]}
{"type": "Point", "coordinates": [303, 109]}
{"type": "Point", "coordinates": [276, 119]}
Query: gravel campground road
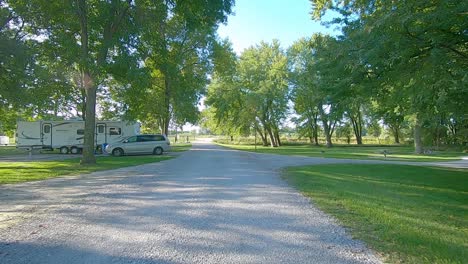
{"type": "Point", "coordinates": [209, 205]}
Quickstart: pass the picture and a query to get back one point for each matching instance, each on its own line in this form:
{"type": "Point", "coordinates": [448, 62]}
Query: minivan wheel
{"type": "Point", "coordinates": [63, 150]}
{"type": "Point", "coordinates": [117, 152]}
{"type": "Point", "coordinates": [158, 151]}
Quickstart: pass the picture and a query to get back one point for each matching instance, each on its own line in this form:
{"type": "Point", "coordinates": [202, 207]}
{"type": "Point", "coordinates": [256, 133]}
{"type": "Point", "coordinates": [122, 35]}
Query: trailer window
{"type": "Point", "coordinates": [115, 131]}
{"type": "Point", "coordinates": [100, 129]}
{"type": "Point", "coordinates": [80, 132]}
{"type": "Point", "coordinates": [46, 129]}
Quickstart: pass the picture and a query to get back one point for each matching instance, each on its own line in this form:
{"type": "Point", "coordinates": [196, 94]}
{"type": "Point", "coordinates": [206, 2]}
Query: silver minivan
{"type": "Point", "coordinates": [140, 144]}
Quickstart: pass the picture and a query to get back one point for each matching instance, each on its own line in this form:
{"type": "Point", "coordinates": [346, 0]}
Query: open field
{"type": "Point", "coordinates": [394, 152]}
{"type": "Point", "coordinates": [410, 214]}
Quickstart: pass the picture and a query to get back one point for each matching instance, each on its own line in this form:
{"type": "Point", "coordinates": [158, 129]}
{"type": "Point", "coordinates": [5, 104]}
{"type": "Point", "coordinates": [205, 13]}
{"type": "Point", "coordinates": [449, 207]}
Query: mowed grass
{"type": "Point", "coordinates": [409, 214]}
{"type": "Point", "coordinates": [180, 147]}
{"type": "Point", "coordinates": [15, 172]}
{"type": "Point", "coordinates": [353, 152]}
{"type": "Point", "coordinates": [9, 150]}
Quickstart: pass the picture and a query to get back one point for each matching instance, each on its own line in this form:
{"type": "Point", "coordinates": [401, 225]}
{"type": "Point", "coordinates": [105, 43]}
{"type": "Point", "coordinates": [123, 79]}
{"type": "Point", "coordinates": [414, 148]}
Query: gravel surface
{"type": "Point", "coordinates": [209, 205]}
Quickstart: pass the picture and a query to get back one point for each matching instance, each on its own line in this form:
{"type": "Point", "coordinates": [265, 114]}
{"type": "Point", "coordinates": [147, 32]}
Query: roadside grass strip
{"type": "Point", "coordinates": [408, 214]}
{"type": "Point", "coordinates": [16, 172]}
{"type": "Point", "coordinates": [180, 147]}
{"type": "Point", "coordinates": [401, 153]}
{"type": "Point", "coordinates": [8, 151]}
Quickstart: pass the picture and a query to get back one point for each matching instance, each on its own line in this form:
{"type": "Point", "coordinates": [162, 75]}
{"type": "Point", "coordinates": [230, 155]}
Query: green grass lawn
{"type": "Point", "coordinates": [179, 147]}
{"type": "Point", "coordinates": [15, 172]}
{"type": "Point", "coordinates": [353, 152]}
{"type": "Point", "coordinates": [409, 214]}
{"type": "Point", "coordinates": [8, 151]}
{"type": "Point", "coordinates": [11, 151]}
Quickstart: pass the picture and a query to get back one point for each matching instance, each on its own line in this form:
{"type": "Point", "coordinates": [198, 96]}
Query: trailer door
{"type": "Point", "coordinates": [47, 134]}
{"type": "Point", "coordinates": [101, 137]}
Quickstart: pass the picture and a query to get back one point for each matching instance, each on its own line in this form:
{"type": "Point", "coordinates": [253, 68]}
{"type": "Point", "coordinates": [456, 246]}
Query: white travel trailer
{"type": "Point", "coordinates": [68, 135]}
{"type": "Point", "coordinates": [4, 140]}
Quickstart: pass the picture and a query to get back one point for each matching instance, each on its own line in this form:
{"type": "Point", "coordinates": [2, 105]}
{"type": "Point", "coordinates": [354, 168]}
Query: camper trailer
{"type": "Point", "coordinates": [4, 140]}
{"type": "Point", "coordinates": [68, 135]}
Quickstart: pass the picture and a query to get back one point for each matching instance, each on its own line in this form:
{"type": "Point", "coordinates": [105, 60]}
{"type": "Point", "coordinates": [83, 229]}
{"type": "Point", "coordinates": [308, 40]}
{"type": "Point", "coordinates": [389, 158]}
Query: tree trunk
{"type": "Point", "coordinates": [90, 124]}
{"type": "Point", "coordinates": [167, 106]}
{"type": "Point", "coordinates": [396, 135]}
{"type": "Point", "coordinates": [278, 140]}
{"type": "Point", "coordinates": [89, 87]}
{"type": "Point", "coordinates": [277, 136]}
{"type": "Point", "coordinates": [395, 128]}
{"type": "Point", "coordinates": [313, 136]}
{"type": "Point", "coordinates": [418, 146]}
{"type": "Point", "coordinates": [356, 121]}
{"type": "Point", "coordinates": [165, 126]}
{"type": "Point", "coordinates": [326, 129]}
{"type": "Point", "coordinates": [272, 137]}
{"type": "Point", "coordinates": [316, 134]}
{"type": "Point", "coordinates": [263, 137]}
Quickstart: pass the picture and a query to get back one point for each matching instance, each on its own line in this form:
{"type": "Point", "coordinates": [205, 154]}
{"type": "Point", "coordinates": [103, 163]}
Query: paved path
{"type": "Point", "coordinates": [210, 205]}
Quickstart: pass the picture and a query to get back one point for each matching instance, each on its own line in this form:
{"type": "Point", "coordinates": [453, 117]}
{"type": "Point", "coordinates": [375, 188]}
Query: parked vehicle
{"type": "Point", "coordinates": [140, 144]}
{"type": "Point", "coordinates": [4, 140]}
{"type": "Point", "coordinates": [68, 135]}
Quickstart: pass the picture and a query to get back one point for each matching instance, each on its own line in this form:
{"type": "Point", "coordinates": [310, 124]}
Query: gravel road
{"type": "Point", "coordinates": [209, 205]}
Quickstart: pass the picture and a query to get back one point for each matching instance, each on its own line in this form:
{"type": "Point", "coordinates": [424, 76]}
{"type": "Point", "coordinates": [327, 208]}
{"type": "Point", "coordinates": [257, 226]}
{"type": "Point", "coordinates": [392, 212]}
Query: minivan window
{"type": "Point", "coordinates": [159, 138]}
{"type": "Point", "coordinates": [146, 138]}
{"type": "Point", "coordinates": [131, 139]}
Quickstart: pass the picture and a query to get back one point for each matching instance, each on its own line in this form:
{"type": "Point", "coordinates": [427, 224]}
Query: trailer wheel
{"type": "Point", "coordinates": [117, 152]}
{"type": "Point", "coordinates": [63, 150]}
{"type": "Point", "coordinates": [74, 150]}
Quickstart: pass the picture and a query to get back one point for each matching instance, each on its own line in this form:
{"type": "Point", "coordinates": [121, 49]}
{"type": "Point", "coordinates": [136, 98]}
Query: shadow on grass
{"type": "Point", "coordinates": [414, 214]}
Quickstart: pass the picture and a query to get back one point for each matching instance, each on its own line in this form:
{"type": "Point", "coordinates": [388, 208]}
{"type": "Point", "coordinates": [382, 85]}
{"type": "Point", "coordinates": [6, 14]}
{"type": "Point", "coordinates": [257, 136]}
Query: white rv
{"type": "Point", "coordinates": [68, 135]}
{"type": "Point", "coordinates": [4, 140]}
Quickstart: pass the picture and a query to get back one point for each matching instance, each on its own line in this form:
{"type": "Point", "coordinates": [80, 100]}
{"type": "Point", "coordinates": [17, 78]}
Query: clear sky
{"type": "Point", "coordinates": [257, 20]}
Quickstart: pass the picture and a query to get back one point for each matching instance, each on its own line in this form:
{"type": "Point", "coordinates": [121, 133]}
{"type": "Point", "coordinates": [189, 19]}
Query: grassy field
{"type": "Point", "coordinates": [409, 214]}
{"type": "Point", "coordinates": [15, 172]}
{"type": "Point", "coordinates": [11, 151]}
{"type": "Point", "coordinates": [179, 147]}
{"type": "Point", "coordinates": [8, 151]}
{"type": "Point", "coordinates": [394, 152]}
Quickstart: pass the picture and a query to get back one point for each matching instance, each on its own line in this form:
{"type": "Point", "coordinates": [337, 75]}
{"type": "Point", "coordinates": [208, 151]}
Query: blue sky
{"type": "Point", "coordinates": [257, 20]}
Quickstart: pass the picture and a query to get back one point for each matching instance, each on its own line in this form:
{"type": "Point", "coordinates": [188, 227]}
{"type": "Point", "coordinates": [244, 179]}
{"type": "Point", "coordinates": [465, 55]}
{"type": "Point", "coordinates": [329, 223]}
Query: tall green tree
{"type": "Point", "coordinates": [301, 56]}
{"type": "Point", "coordinates": [93, 35]}
{"type": "Point", "coordinates": [406, 50]}
{"type": "Point", "coordinates": [255, 94]}
{"type": "Point", "coordinates": [83, 32]}
{"type": "Point", "coordinates": [176, 49]}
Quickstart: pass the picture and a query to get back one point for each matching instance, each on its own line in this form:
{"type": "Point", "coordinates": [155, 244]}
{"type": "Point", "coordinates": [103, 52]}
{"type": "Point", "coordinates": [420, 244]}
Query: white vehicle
{"type": "Point", "coordinates": [4, 140]}
{"type": "Point", "coordinates": [140, 144]}
{"type": "Point", "coordinates": [68, 135]}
